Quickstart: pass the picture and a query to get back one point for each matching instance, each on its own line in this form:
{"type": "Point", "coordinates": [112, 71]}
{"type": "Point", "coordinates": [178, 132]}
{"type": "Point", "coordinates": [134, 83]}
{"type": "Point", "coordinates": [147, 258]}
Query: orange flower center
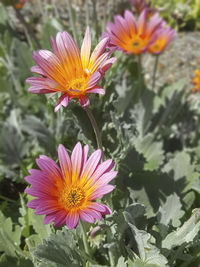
{"type": "Point", "coordinates": [72, 198]}
{"type": "Point", "coordinates": [157, 46]}
{"type": "Point", "coordinates": [77, 86]}
{"type": "Point", "coordinates": [136, 45]}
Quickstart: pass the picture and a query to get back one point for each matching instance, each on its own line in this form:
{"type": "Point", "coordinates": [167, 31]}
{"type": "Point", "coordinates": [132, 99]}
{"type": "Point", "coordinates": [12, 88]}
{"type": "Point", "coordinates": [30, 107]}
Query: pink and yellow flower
{"type": "Point", "coordinates": [140, 5]}
{"type": "Point", "coordinates": [65, 194]}
{"type": "Point", "coordinates": [196, 82]}
{"type": "Point", "coordinates": [164, 37]}
{"type": "Point", "coordinates": [68, 71]}
{"type": "Point", "coordinates": [130, 36]}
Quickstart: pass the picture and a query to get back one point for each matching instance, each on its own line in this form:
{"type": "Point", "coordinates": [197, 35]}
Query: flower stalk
{"type": "Point", "coordinates": [155, 71]}
{"type": "Point", "coordinates": [95, 128]}
{"type": "Point", "coordinates": [85, 239]}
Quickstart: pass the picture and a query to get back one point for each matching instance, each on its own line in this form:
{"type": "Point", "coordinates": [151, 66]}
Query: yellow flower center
{"type": "Point", "coordinates": [136, 45]}
{"type": "Point", "coordinates": [157, 46]}
{"type": "Point", "coordinates": [72, 198]}
{"type": "Point", "coordinates": [77, 86]}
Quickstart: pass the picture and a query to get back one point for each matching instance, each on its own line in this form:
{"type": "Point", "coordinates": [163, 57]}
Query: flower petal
{"type": "Point", "coordinates": [84, 101]}
{"type": "Point", "coordinates": [86, 216]}
{"type": "Point", "coordinates": [72, 220]}
{"type": "Point", "coordinates": [76, 159]}
{"type": "Point", "coordinates": [65, 163]}
{"type": "Point", "coordinates": [86, 48]}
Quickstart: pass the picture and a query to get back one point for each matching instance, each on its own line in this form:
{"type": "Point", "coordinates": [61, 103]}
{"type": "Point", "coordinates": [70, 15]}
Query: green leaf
{"type": "Point", "coordinates": [36, 128]}
{"type": "Point", "coordinates": [60, 249]}
{"type": "Point", "coordinates": [9, 236]}
{"type": "Point", "coordinates": [171, 211]}
{"type": "Point", "coordinates": [12, 146]}
{"type": "Point", "coordinates": [185, 234]}
{"type": "Point", "coordinates": [151, 150]}
{"type": "Point", "coordinates": [140, 263]}
{"type": "Point", "coordinates": [148, 251]}
{"type": "Point", "coordinates": [4, 17]}
{"type": "Point", "coordinates": [50, 28]}
{"type": "Point", "coordinates": [40, 228]}
{"type": "Point", "coordinates": [23, 59]}
{"type": "Point", "coordinates": [180, 164]}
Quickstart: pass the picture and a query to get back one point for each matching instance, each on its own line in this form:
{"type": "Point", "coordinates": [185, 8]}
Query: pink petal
{"type": "Point", "coordinates": [49, 166]}
{"type": "Point", "coordinates": [49, 218]}
{"type": "Point", "coordinates": [39, 90]}
{"type": "Point", "coordinates": [72, 220]}
{"type": "Point", "coordinates": [108, 63]}
{"type": "Point", "coordinates": [86, 48]}
{"type": "Point", "coordinates": [65, 162]}
{"type": "Point", "coordinates": [131, 22]}
{"type": "Point", "coordinates": [35, 192]}
{"type": "Point", "coordinates": [38, 70]}
{"type": "Point", "coordinates": [98, 51]}
{"type": "Point", "coordinates": [84, 101]}
{"type": "Point", "coordinates": [33, 203]}
{"type": "Point", "coordinates": [85, 154]}
{"type": "Point", "coordinates": [100, 207]}
{"type": "Point", "coordinates": [99, 192]}
{"type": "Point", "coordinates": [104, 167]}
{"type": "Point", "coordinates": [62, 101]}
{"type": "Point", "coordinates": [94, 79]}
{"type": "Point", "coordinates": [41, 210]}
{"type": "Point", "coordinates": [93, 213]}
{"type": "Point", "coordinates": [97, 90]}
{"type": "Point", "coordinates": [86, 217]}
{"type": "Point", "coordinates": [76, 159]}
{"type": "Point", "coordinates": [105, 178]}
{"type": "Point", "coordinates": [60, 220]}
{"type": "Point", "coordinates": [142, 22]}
{"type": "Point", "coordinates": [91, 164]}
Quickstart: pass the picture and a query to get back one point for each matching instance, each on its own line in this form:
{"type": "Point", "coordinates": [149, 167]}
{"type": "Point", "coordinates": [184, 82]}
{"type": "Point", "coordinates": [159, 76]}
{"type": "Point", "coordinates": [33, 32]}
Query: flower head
{"type": "Point", "coordinates": [68, 71]}
{"type": "Point", "coordinates": [20, 4]}
{"type": "Point", "coordinates": [139, 5]}
{"type": "Point", "coordinates": [130, 36]}
{"type": "Point", "coordinates": [196, 82]}
{"type": "Point", "coordinates": [66, 193]}
{"type": "Point", "coordinates": [15, 3]}
{"type": "Point", "coordinates": [163, 38]}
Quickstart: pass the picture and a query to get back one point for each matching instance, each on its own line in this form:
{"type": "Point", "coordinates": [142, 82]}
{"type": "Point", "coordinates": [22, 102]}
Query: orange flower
{"type": "Point", "coordinates": [20, 4]}
{"type": "Point", "coordinates": [66, 194]}
{"type": "Point", "coordinates": [70, 72]}
{"type": "Point", "coordinates": [130, 36]}
{"type": "Point", "coordinates": [164, 37]}
{"type": "Point", "coordinates": [196, 82]}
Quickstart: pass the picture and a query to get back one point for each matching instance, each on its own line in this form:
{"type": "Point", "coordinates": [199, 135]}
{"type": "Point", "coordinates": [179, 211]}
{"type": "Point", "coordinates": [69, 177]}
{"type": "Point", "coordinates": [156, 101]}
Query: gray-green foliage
{"type": "Point", "coordinates": [153, 139]}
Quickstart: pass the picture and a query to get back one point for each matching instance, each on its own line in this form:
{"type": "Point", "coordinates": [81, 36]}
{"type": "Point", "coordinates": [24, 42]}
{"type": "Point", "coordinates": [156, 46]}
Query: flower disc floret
{"type": "Point", "coordinates": [66, 194]}
{"type": "Point", "coordinates": [68, 71]}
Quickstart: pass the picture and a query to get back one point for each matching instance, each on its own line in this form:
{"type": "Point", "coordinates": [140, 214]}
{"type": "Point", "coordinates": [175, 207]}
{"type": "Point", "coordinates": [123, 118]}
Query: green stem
{"type": "Point", "coordinates": [71, 18]}
{"type": "Point", "coordinates": [87, 17]}
{"type": "Point", "coordinates": [140, 70]}
{"type": "Point", "coordinates": [28, 28]}
{"type": "Point", "coordinates": [7, 199]}
{"type": "Point", "coordinates": [95, 128]}
{"type": "Point", "coordinates": [85, 239]}
{"type": "Point", "coordinates": [154, 71]}
{"type": "Point", "coordinates": [95, 18]}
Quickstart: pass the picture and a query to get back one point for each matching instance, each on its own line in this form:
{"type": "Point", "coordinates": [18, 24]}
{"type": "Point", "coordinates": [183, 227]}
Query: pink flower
{"type": "Point", "coordinates": [65, 194]}
{"type": "Point", "coordinates": [68, 71]}
{"type": "Point", "coordinates": [131, 36]}
{"type": "Point", "coordinates": [139, 4]}
{"type": "Point", "coordinates": [163, 37]}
